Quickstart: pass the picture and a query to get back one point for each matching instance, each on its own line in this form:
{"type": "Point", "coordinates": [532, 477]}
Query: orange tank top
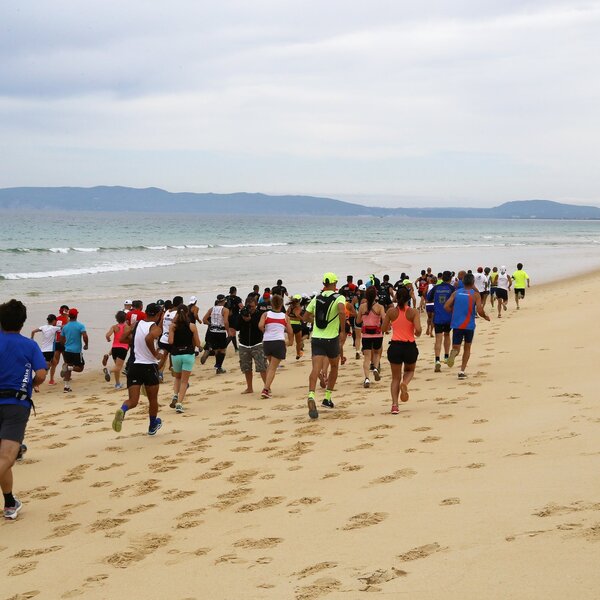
{"type": "Point", "coordinates": [403, 330]}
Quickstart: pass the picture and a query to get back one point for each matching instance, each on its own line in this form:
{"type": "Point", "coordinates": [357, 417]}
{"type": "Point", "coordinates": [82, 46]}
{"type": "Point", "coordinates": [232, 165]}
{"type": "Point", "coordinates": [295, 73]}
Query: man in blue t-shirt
{"type": "Point", "coordinates": [22, 365]}
{"type": "Point", "coordinates": [71, 336]}
{"type": "Point", "coordinates": [439, 295]}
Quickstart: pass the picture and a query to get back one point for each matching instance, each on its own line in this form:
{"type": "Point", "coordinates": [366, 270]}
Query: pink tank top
{"type": "Point", "coordinates": [117, 337]}
{"type": "Point", "coordinates": [403, 330]}
{"type": "Point", "coordinates": [371, 325]}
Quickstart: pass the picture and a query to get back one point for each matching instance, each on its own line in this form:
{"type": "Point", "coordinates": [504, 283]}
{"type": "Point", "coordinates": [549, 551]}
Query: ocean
{"type": "Point", "coordinates": [100, 259]}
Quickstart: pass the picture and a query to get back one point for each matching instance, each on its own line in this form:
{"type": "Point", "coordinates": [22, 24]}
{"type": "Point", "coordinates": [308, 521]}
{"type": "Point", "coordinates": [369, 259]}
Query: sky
{"type": "Point", "coordinates": [388, 103]}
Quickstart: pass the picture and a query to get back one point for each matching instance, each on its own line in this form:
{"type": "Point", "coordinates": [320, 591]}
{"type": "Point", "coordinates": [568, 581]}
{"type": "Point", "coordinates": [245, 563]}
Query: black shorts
{"type": "Point", "coordinates": [119, 353]}
{"type": "Point", "coordinates": [49, 356]}
{"type": "Point", "coordinates": [326, 347]}
{"type": "Point", "coordinates": [520, 292]}
{"type": "Point", "coordinates": [458, 335]}
{"type": "Point", "coordinates": [430, 309]}
{"type": "Point", "coordinates": [59, 347]}
{"type": "Point", "coordinates": [217, 340]}
{"type": "Point", "coordinates": [139, 374]}
{"type": "Point", "coordinates": [347, 328]}
{"type": "Point", "coordinates": [164, 346]}
{"type": "Point", "coordinates": [442, 327]}
{"type": "Point", "coordinates": [501, 294]}
{"type": "Point", "coordinates": [372, 343]}
{"type": "Point", "coordinates": [13, 421]}
{"type": "Point", "coordinates": [74, 359]}
{"type": "Point", "coordinates": [493, 291]}
{"type": "Point", "coordinates": [402, 353]}
{"type": "Point", "coordinates": [296, 327]}
{"type": "Point", "coordinates": [483, 294]}
{"type": "Point", "coordinates": [275, 348]}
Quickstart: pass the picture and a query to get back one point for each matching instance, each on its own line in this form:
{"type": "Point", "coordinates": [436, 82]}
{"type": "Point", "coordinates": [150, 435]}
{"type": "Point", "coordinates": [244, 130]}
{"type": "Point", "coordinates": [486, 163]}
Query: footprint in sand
{"type": "Point", "coordinates": [174, 494]}
{"type": "Point", "coordinates": [318, 588]}
{"type": "Point", "coordinates": [232, 497]}
{"type": "Point", "coordinates": [138, 550]}
{"type": "Point", "coordinates": [422, 429]}
{"type": "Point", "coordinates": [36, 552]}
{"type": "Point", "coordinates": [23, 568]}
{"type": "Point", "coordinates": [475, 466]}
{"type": "Point", "coordinates": [305, 501]}
{"type": "Point", "coordinates": [431, 438]}
{"type": "Point", "coordinates": [400, 474]}
{"type": "Point", "coordinates": [64, 530]}
{"type": "Point", "coordinates": [258, 544]}
{"type": "Point", "coordinates": [137, 509]}
{"type": "Point", "coordinates": [421, 552]}
{"type": "Point", "coordinates": [25, 595]}
{"type": "Point", "coordinates": [364, 520]}
{"type": "Point", "coordinates": [450, 501]}
{"type": "Point", "coordinates": [242, 477]}
{"type": "Point", "coordinates": [106, 524]}
{"type": "Point", "coordinates": [371, 582]}
{"type": "Point", "coordinates": [266, 502]}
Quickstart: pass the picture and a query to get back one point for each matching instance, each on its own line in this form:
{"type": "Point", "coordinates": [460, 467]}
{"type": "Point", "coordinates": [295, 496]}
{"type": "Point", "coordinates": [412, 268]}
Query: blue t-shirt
{"type": "Point", "coordinates": [463, 313]}
{"type": "Point", "coordinates": [20, 357]}
{"type": "Point", "coordinates": [439, 294]}
{"type": "Point", "coordinates": [72, 332]}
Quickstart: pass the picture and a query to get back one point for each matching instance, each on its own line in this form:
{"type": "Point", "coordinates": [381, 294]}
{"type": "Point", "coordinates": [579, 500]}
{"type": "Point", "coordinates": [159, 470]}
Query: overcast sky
{"type": "Point", "coordinates": [382, 102]}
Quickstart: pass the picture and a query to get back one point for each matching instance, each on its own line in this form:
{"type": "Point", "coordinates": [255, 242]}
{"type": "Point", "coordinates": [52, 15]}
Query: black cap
{"type": "Point", "coordinates": [220, 298]}
{"type": "Point", "coordinates": [160, 302]}
{"type": "Point", "coordinates": [152, 309]}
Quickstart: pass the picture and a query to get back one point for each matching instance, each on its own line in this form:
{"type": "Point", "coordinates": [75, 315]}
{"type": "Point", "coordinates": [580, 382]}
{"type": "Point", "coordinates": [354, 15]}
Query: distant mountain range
{"type": "Point", "coordinates": [119, 199]}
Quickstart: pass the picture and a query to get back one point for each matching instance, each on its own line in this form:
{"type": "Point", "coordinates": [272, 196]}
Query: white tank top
{"type": "Point", "coordinates": [167, 320]}
{"type": "Point", "coordinates": [216, 319]}
{"type": "Point", "coordinates": [274, 327]}
{"type": "Point", "coordinates": [142, 354]}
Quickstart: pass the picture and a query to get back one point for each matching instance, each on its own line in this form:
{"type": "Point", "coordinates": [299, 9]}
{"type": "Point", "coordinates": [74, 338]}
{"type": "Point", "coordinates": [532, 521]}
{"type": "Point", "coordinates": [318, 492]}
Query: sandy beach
{"type": "Point", "coordinates": [484, 488]}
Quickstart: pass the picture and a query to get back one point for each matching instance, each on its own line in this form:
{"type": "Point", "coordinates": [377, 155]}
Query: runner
{"type": "Point", "coordinates": [439, 295]}
{"type": "Point", "coordinates": [349, 287]}
{"type": "Point", "coordinates": [429, 305]}
{"type": "Point", "coordinates": [255, 293]}
{"type": "Point", "coordinates": [369, 317]}
{"type": "Point", "coordinates": [59, 348]}
{"type": "Point", "coordinates": [493, 284]}
{"type": "Point", "coordinates": [405, 323]}
{"type": "Point", "coordinates": [234, 304]}
{"type": "Point", "coordinates": [488, 286]}
{"type": "Point", "coordinates": [422, 283]}
{"type": "Point", "coordinates": [503, 285]}
{"type": "Point", "coordinates": [347, 327]}
{"type": "Point", "coordinates": [183, 341]}
{"type": "Point", "coordinates": [163, 342]}
{"type": "Point", "coordinates": [274, 324]}
{"type": "Point", "coordinates": [386, 293]}
{"type": "Point", "coordinates": [279, 289]}
{"type": "Point", "coordinates": [22, 366]}
{"type": "Point", "coordinates": [464, 303]}
{"type": "Point", "coordinates": [71, 335]}
{"type": "Point", "coordinates": [250, 343]}
{"type": "Point", "coordinates": [48, 344]}
{"type": "Point", "coordinates": [327, 312]}
{"type": "Point", "coordinates": [481, 284]}
{"type": "Point", "coordinates": [358, 298]}
{"type": "Point", "coordinates": [194, 310]}
{"type": "Point", "coordinates": [217, 319]}
{"type": "Point", "coordinates": [143, 368]}
{"type": "Point", "coordinates": [119, 348]}
{"type": "Point", "coordinates": [136, 313]}
{"type": "Point", "coordinates": [521, 279]}
{"type": "Point", "coordinates": [294, 314]}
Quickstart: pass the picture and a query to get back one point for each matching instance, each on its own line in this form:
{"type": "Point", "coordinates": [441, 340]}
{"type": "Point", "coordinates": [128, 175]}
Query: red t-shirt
{"type": "Point", "coordinates": [134, 315]}
{"type": "Point", "coordinates": [61, 321]}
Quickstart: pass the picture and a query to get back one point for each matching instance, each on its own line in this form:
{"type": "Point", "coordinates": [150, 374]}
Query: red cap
{"type": "Point", "coordinates": [73, 312]}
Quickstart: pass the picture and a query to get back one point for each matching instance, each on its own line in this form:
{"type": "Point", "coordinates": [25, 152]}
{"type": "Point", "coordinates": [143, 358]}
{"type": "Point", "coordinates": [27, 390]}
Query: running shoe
{"type": "Point", "coordinates": [371, 367]}
{"type": "Point", "coordinates": [118, 420]}
{"type": "Point", "coordinates": [105, 360]}
{"type": "Point", "coordinates": [204, 356]}
{"type": "Point", "coordinates": [438, 366]}
{"type": "Point", "coordinates": [11, 512]}
{"type": "Point", "coordinates": [64, 370]}
{"type": "Point", "coordinates": [106, 374]}
{"type": "Point", "coordinates": [328, 404]}
{"type": "Point", "coordinates": [52, 382]}
{"type": "Point", "coordinates": [265, 393]}
{"type": "Point", "coordinates": [220, 371]}
{"type": "Point", "coordinates": [376, 374]}
{"type": "Point", "coordinates": [366, 382]}
{"type": "Point", "coordinates": [67, 389]}
{"type": "Point", "coordinates": [452, 357]}
{"type": "Point", "coordinates": [174, 401]}
{"type": "Point", "coordinates": [157, 425]}
{"type": "Point", "coordinates": [395, 409]}
{"type": "Point", "coordinates": [179, 408]}
{"type": "Point", "coordinates": [462, 375]}
{"type": "Point", "coordinates": [118, 386]}
{"type": "Point", "coordinates": [22, 451]}
{"type": "Point", "coordinates": [357, 355]}
{"type": "Point", "coordinates": [313, 413]}
{"type": "Point", "coordinates": [161, 376]}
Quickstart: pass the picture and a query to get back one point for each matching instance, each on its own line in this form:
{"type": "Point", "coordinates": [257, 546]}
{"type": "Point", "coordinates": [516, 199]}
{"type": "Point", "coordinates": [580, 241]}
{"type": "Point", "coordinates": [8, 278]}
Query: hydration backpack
{"type": "Point", "coordinates": [322, 308]}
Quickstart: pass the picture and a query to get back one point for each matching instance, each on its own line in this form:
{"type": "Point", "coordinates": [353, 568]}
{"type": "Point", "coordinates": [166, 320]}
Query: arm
{"type": "Point", "coordinates": [171, 333]}
{"type": "Point", "coordinates": [416, 319]}
{"type": "Point", "coordinates": [197, 343]}
{"type": "Point", "coordinates": [527, 280]}
{"type": "Point", "coordinates": [154, 333]}
{"type": "Point", "coordinates": [390, 315]}
{"type": "Point", "coordinates": [126, 337]}
{"type": "Point", "coordinates": [342, 311]}
{"type": "Point", "coordinates": [261, 323]}
{"type": "Point", "coordinates": [109, 333]}
{"type": "Point", "coordinates": [226, 318]}
{"type": "Point", "coordinates": [360, 314]}
{"type": "Point", "coordinates": [479, 307]}
{"type": "Point", "coordinates": [40, 376]}
{"type": "Point", "coordinates": [450, 303]}
{"type": "Point", "coordinates": [34, 332]}
{"type": "Point", "coordinates": [206, 317]}
{"type": "Point", "coordinates": [86, 340]}
{"type": "Point", "coordinates": [289, 331]}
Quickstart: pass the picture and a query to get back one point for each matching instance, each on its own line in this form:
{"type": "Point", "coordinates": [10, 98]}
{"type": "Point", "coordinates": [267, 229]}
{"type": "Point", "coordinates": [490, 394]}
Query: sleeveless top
{"type": "Point", "coordinates": [371, 325]}
{"type": "Point", "coordinates": [463, 313]}
{"type": "Point", "coordinates": [274, 327]}
{"type": "Point", "coordinates": [294, 320]}
{"type": "Point", "coordinates": [167, 320]}
{"type": "Point", "coordinates": [217, 323]}
{"type": "Point", "coordinates": [183, 341]}
{"type": "Point", "coordinates": [403, 330]}
{"type": "Point", "coordinates": [140, 350]}
{"type": "Point", "coordinates": [117, 337]}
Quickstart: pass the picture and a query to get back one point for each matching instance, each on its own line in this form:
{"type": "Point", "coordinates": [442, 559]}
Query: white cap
{"type": "Point", "coordinates": [128, 302]}
{"type": "Point", "coordinates": [192, 300]}
{"type": "Point", "coordinates": [362, 287]}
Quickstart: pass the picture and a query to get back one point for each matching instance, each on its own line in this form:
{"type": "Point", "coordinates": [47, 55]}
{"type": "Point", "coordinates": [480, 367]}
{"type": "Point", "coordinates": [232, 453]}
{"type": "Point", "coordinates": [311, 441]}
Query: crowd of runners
{"type": "Point", "coordinates": [166, 335]}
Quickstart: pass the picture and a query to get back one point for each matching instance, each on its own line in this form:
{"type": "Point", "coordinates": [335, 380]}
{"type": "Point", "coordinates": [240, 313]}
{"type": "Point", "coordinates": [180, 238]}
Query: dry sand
{"type": "Point", "coordinates": [487, 488]}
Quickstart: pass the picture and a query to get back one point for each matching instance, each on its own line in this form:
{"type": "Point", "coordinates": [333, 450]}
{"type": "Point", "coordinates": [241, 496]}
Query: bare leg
{"type": "Point", "coordinates": [183, 384]}
{"type": "Point", "coordinates": [377, 357]}
{"type": "Point", "coordinates": [117, 370]}
{"type": "Point", "coordinates": [367, 362]}
{"type": "Point", "coordinates": [8, 454]}
{"type": "Point", "coordinates": [446, 343]}
{"type": "Point", "coordinates": [319, 363]}
{"type": "Point", "coordinates": [395, 385]}
{"type": "Point", "coordinates": [248, 376]}
{"type": "Point", "coordinates": [152, 391]}
{"type": "Point", "coordinates": [271, 372]}
{"type": "Point", "coordinates": [465, 356]}
{"type": "Point", "coordinates": [176, 384]}
{"type": "Point", "coordinates": [334, 364]}
{"type": "Point", "coordinates": [298, 338]}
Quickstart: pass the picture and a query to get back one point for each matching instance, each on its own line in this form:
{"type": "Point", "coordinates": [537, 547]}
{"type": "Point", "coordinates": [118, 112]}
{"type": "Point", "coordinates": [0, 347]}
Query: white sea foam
{"type": "Point", "coordinates": [86, 249]}
{"type": "Point", "coordinates": [59, 250]}
{"type": "Point", "coordinates": [265, 245]}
